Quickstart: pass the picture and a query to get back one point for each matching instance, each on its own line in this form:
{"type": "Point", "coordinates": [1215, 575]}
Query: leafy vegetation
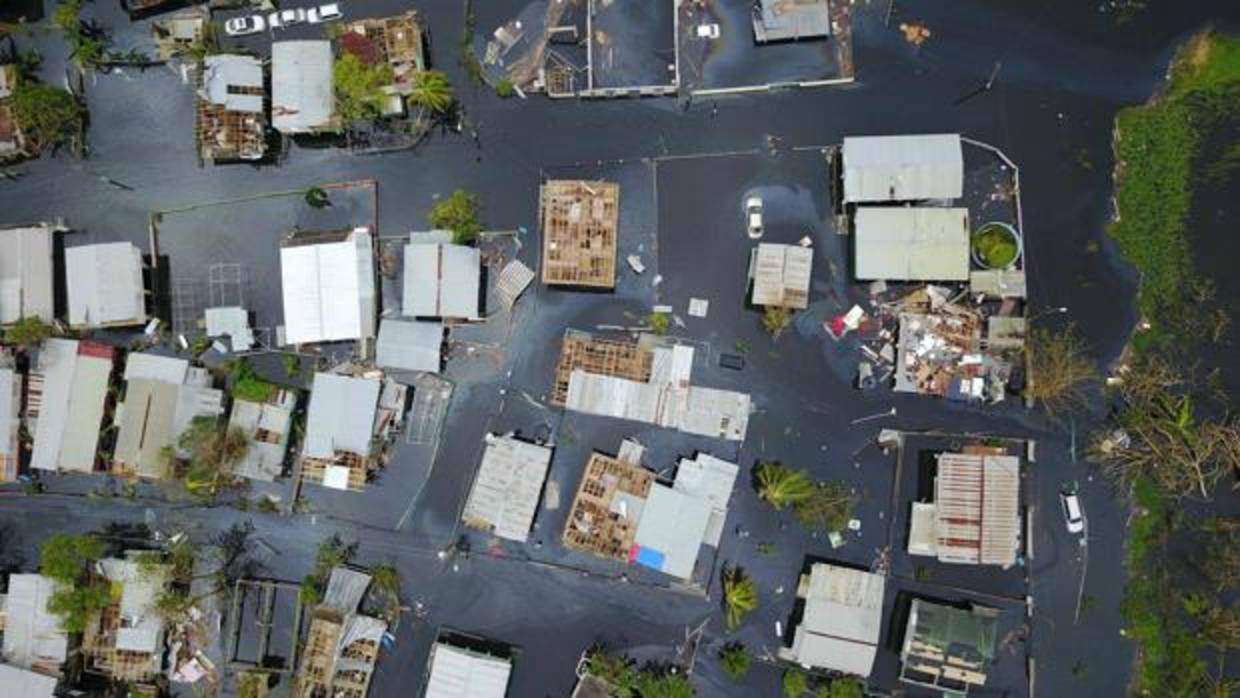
{"type": "Point", "coordinates": [776, 319]}
{"type": "Point", "coordinates": [796, 683]}
{"type": "Point", "coordinates": [28, 332]}
{"type": "Point", "coordinates": [659, 323]}
{"type": "Point", "coordinates": [359, 87]}
{"type": "Point", "coordinates": [505, 89]}
{"type": "Point", "coordinates": [828, 508]}
{"type": "Point", "coordinates": [79, 592]}
{"type": "Point", "coordinates": [1061, 371]}
{"type": "Point", "coordinates": [316, 197]}
{"type": "Point", "coordinates": [214, 450]}
{"type": "Point", "coordinates": [626, 681]}
{"type": "Point", "coordinates": [247, 385]}
{"type": "Point", "coordinates": [1157, 146]}
{"type": "Point", "coordinates": [995, 246]}
{"type": "Point", "coordinates": [740, 596]}
{"type": "Point", "coordinates": [458, 212]}
{"type": "Point", "coordinates": [735, 660]}
{"type": "Point", "coordinates": [780, 486]}
{"type": "Point", "coordinates": [48, 116]}
{"type": "Point", "coordinates": [432, 91]}
{"type": "Point", "coordinates": [333, 552]}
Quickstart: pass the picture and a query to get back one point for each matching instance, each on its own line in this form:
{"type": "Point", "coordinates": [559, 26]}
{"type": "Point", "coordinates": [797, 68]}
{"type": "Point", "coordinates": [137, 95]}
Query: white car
{"type": "Point", "coordinates": [244, 26]}
{"type": "Point", "coordinates": [286, 18]}
{"type": "Point", "coordinates": [708, 31]}
{"type": "Point", "coordinates": [1072, 512]}
{"type": "Point", "coordinates": [753, 217]}
{"type": "Point", "coordinates": [324, 13]}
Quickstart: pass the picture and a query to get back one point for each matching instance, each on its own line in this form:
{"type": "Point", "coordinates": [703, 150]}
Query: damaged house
{"type": "Point", "coordinates": [975, 518]}
{"type": "Point", "coordinates": [267, 425]}
{"type": "Point", "coordinates": [580, 222]}
{"type": "Point", "coordinates": [342, 645]}
{"type": "Point", "coordinates": [948, 649]}
{"type": "Point", "coordinates": [395, 41]}
{"type": "Point", "coordinates": [231, 117]}
{"type": "Point", "coordinates": [348, 421]}
{"type": "Point", "coordinates": [507, 487]}
{"type": "Point", "coordinates": [125, 641]}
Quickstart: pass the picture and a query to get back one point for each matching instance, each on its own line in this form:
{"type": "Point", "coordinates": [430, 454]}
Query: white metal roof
{"type": "Point", "coordinates": [903, 168]}
{"type": "Point", "coordinates": [710, 478]}
{"type": "Point", "coordinates": [302, 91]}
{"type": "Point", "coordinates": [441, 280]}
{"type": "Point", "coordinates": [673, 524]}
{"type": "Point", "coordinates": [74, 389]}
{"type": "Point", "coordinates": [24, 683]}
{"type": "Point", "coordinates": [10, 409]}
{"type": "Point", "coordinates": [168, 369]}
{"type": "Point", "coordinates": [409, 345]}
{"type": "Point", "coordinates": [140, 587]}
{"type": "Point", "coordinates": [329, 290]}
{"type": "Point", "coordinates": [912, 244]}
{"type": "Point", "coordinates": [232, 321]}
{"type": "Point", "coordinates": [263, 460]}
{"type": "Point", "coordinates": [341, 415]}
{"type": "Point", "coordinates": [26, 274]}
{"type": "Point", "coordinates": [842, 620]}
{"type": "Point", "coordinates": [782, 275]}
{"type": "Point", "coordinates": [223, 71]}
{"type": "Point", "coordinates": [459, 673]}
{"type": "Point", "coordinates": [105, 285]}
{"type": "Point", "coordinates": [505, 492]}
{"type": "Point", "coordinates": [32, 635]}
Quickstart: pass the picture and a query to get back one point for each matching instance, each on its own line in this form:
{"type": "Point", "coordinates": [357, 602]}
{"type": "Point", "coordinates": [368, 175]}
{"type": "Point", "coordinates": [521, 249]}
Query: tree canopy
{"type": "Point", "coordinates": [359, 93]}
{"type": "Point", "coordinates": [47, 115]}
{"type": "Point", "coordinates": [68, 561]}
{"type": "Point", "coordinates": [433, 91]}
{"type": "Point", "coordinates": [459, 213]}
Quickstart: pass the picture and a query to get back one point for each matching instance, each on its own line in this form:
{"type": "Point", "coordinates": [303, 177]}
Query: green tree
{"type": "Point", "coordinates": [846, 688]}
{"type": "Point", "coordinates": [67, 559]}
{"type": "Point", "coordinates": [779, 485]}
{"type": "Point", "coordinates": [776, 319]}
{"type": "Point", "coordinates": [664, 684]}
{"type": "Point", "coordinates": [796, 683]}
{"type": "Point", "coordinates": [386, 579]}
{"type": "Point", "coordinates": [79, 593]}
{"type": "Point", "coordinates": [432, 91]}
{"type": "Point", "coordinates": [505, 89]}
{"type": "Point", "coordinates": [828, 508]}
{"type": "Point", "coordinates": [46, 115]}
{"type": "Point", "coordinates": [734, 660]}
{"type": "Point", "coordinates": [316, 197]}
{"type": "Point", "coordinates": [214, 450]}
{"type": "Point", "coordinates": [458, 212]}
{"type": "Point", "coordinates": [659, 323]}
{"type": "Point", "coordinates": [359, 87]}
{"type": "Point", "coordinates": [76, 605]}
{"type": "Point", "coordinates": [740, 596]}
{"type": "Point", "coordinates": [28, 332]}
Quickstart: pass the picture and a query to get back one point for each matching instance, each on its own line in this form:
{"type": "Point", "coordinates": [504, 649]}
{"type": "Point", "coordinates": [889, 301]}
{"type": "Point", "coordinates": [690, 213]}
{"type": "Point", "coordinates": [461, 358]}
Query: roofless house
{"type": "Point", "coordinates": [580, 220]}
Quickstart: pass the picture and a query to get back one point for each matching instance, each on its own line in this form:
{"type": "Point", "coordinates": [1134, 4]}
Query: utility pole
{"type": "Point", "coordinates": [990, 82]}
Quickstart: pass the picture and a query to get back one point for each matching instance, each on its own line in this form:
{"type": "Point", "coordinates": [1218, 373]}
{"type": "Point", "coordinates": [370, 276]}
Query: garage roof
{"type": "Point", "coordinates": [903, 168]}
{"type": "Point", "coordinates": [912, 244]}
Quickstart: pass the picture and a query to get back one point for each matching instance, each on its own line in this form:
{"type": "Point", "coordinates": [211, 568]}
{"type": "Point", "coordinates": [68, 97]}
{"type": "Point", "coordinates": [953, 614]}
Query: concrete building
{"type": "Point", "coordinates": [163, 396]}
{"type": "Point", "coordinates": [267, 425]}
{"type": "Point", "coordinates": [902, 168]}
{"type": "Point", "coordinates": [231, 113]}
{"type": "Point", "coordinates": [781, 275]}
{"type": "Point", "coordinates": [105, 285]}
{"type": "Point", "coordinates": [975, 518]}
{"type": "Point", "coordinates": [911, 243]}
{"type": "Point", "coordinates": [442, 280]}
{"type": "Point", "coordinates": [65, 399]}
{"type": "Point", "coordinates": [340, 424]}
{"type": "Point", "coordinates": [328, 286]}
{"type": "Point", "coordinates": [458, 672]}
{"type": "Point", "coordinates": [26, 684]}
{"type": "Point", "coordinates": [843, 618]}
{"type": "Point", "coordinates": [947, 648]}
{"type": "Point", "coordinates": [580, 224]}
{"type": "Point", "coordinates": [303, 98]}
{"type": "Point", "coordinates": [409, 345]}
{"type": "Point", "coordinates": [27, 273]}
{"type": "Point", "coordinates": [790, 20]}
{"type": "Point", "coordinates": [506, 490]}
{"type": "Point", "coordinates": [33, 637]}
{"type": "Point", "coordinates": [10, 424]}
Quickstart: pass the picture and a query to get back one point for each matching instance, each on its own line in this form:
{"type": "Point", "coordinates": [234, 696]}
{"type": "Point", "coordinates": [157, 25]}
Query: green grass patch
{"type": "Point", "coordinates": [1158, 148]}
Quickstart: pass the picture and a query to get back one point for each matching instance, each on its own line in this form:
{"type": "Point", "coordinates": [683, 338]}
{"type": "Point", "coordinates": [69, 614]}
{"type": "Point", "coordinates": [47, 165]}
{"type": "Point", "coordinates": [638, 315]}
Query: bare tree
{"type": "Point", "coordinates": [1061, 372]}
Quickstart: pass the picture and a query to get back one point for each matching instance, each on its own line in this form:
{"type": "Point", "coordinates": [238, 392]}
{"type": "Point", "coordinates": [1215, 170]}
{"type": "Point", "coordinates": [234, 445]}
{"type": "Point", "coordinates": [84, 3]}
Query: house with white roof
{"type": "Point", "coordinates": [507, 487]}
{"type": "Point", "coordinates": [902, 168]}
{"type": "Point", "coordinates": [65, 400]}
{"type": "Point", "coordinates": [267, 425]}
{"type": "Point", "coordinates": [340, 425]}
{"type": "Point", "coordinates": [10, 424]}
{"type": "Point", "coordinates": [33, 636]}
{"type": "Point", "coordinates": [163, 396]}
{"type": "Point", "coordinates": [105, 286]}
{"type": "Point", "coordinates": [26, 273]}
{"type": "Point", "coordinates": [328, 286]}
{"type": "Point", "coordinates": [843, 618]}
{"type": "Point", "coordinates": [303, 98]}
{"type": "Point", "coordinates": [460, 672]}
{"type": "Point", "coordinates": [442, 280]}
{"type": "Point", "coordinates": [126, 641]}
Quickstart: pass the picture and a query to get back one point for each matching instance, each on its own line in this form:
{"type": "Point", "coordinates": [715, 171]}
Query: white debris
{"type": "Point", "coordinates": [635, 263]}
{"type": "Point", "coordinates": [698, 307]}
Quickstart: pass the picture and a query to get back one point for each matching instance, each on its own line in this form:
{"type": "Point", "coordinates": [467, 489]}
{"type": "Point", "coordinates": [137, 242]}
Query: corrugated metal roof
{"type": "Point", "coordinates": [26, 275]}
{"type": "Point", "coordinates": [232, 321]}
{"type": "Point", "coordinates": [710, 478]}
{"type": "Point", "coordinates": [224, 71]}
{"type": "Point", "coordinates": [903, 168]}
{"type": "Point", "coordinates": [504, 496]}
{"type": "Point", "coordinates": [345, 589]}
{"type": "Point", "coordinates": [842, 620]}
{"type": "Point", "coordinates": [673, 524]}
{"type": "Point", "coordinates": [513, 281]}
{"type": "Point", "coordinates": [782, 275]}
{"type": "Point", "coordinates": [10, 410]}
{"type": "Point", "coordinates": [409, 345]}
{"type": "Point", "coordinates": [105, 285]}
{"type": "Point", "coordinates": [168, 369]}
{"type": "Point", "coordinates": [912, 244]}
{"type": "Point", "coordinates": [459, 673]}
{"type": "Point", "coordinates": [329, 290]}
{"type": "Point", "coordinates": [341, 415]}
{"type": "Point", "coordinates": [441, 280]}
{"type": "Point", "coordinates": [27, 684]}
{"type": "Point", "coordinates": [977, 506]}
{"type": "Point", "coordinates": [146, 426]}
{"type": "Point", "coordinates": [302, 91]}
{"type": "Point", "coordinates": [75, 387]}
{"type": "Point", "coordinates": [32, 635]}
{"type": "Point", "coordinates": [781, 20]}
{"type": "Point", "coordinates": [263, 460]}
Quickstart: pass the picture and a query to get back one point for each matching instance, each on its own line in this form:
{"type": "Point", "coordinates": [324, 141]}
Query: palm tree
{"type": "Point", "coordinates": [432, 91]}
{"type": "Point", "coordinates": [664, 684]}
{"type": "Point", "coordinates": [780, 486]}
{"type": "Point", "coordinates": [734, 660]}
{"type": "Point", "coordinates": [740, 596]}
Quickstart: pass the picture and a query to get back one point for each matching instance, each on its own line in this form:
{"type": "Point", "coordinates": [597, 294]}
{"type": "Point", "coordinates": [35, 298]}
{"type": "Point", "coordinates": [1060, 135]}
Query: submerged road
{"type": "Point", "coordinates": [1066, 69]}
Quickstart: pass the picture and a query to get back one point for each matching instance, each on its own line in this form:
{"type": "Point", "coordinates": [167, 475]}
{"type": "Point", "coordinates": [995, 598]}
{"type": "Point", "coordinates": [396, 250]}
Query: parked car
{"type": "Point", "coordinates": [708, 31]}
{"type": "Point", "coordinates": [324, 13]}
{"type": "Point", "coordinates": [286, 18]}
{"type": "Point", "coordinates": [244, 26]}
{"type": "Point", "coordinates": [1072, 512]}
{"type": "Point", "coordinates": [753, 216]}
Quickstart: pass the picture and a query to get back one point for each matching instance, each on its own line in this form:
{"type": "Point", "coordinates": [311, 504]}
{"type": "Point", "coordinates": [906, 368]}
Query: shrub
{"type": "Point", "coordinates": [47, 115]}
{"type": "Point", "coordinates": [28, 332]}
{"type": "Point", "coordinates": [734, 660]}
{"type": "Point", "coordinates": [458, 212]}
{"type": "Point", "coordinates": [796, 683]}
{"type": "Point", "coordinates": [659, 323]}
{"type": "Point", "coordinates": [776, 319]}
{"type": "Point", "coordinates": [505, 89]}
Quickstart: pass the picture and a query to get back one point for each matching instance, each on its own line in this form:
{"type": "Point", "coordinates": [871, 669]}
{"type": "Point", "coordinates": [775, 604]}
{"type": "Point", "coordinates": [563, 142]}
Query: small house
{"type": "Point", "coordinates": [328, 286]}
{"type": "Point", "coordinates": [911, 243]}
{"type": "Point", "coordinates": [342, 645]}
{"type": "Point", "coordinates": [65, 399]}
{"type": "Point", "coordinates": [303, 98]}
{"type": "Point", "coordinates": [105, 285]}
{"type": "Point", "coordinates": [267, 426]}
{"type": "Point", "coordinates": [902, 168]}
{"type": "Point", "coordinates": [781, 275]}
{"type": "Point", "coordinates": [442, 280]}
{"type": "Point", "coordinates": [33, 637]}
{"type": "Point", "coordinates": [790, 20]}
{"type": "Point", "coordinates": [27, 273]}
{"type": "Point", "coordinates": [842, 620]}
{"type": "Point", "coordinates": [10, 424]}
{"type": "Point", "coordinates": [946, 648]}
{"type": "Point", "coordinates": [507, 487]}
{"type": "Point", "coordinates": [340, 424]}
{"type": "Point", "coordinates": [975, 517]}
{"type": "Point", "coordinates": [580, 221]}
{"type": "Point", "coordinates": [463, 672]}
{"type": "Point", "coordinates": [232, 115]}
{"type": "Point", "coordinates": [125, 641]}
{"type": "Point", "coordinates": [409, 345]}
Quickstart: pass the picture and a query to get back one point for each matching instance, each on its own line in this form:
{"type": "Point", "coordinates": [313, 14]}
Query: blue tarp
{"type": "Point", "coordinates": [650, 558]}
